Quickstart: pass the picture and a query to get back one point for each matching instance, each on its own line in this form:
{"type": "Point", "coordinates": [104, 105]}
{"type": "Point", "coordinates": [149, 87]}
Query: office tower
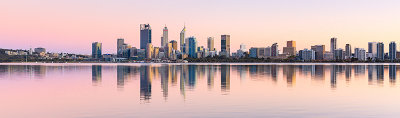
{"type": "Point", "coordinates": [182, 39]}
{"type": "Point", "coordinates": [356, 52]}
{"type": "Point", "coordinates": [361, 54]}
{"type": "Point", "coordinates": [348, 51]}
{"type": "Point", "coordinates": [226, 45]}
{"type": "Point", "coordinates": [290, 49]}
{"type": "Point", "coordinates": [253, 52]}
{"type": "Point", "coordinates": [40, 50]}
{"type": "Point", "coordinates": [338, 54]}
{"type": "Point", "coordinates": [380, 51]}
{"type": "Point", "coordinates": [274, 50]}
{"type": "Point", "coordinates": [241, 51]}
{"type": "Point", "coordinates": [319, 51]}
{"type": "Point", "coordinates": [372, 49]}
{"type": "Point", "coordinates": [267, 52]}
{"type": "Point", "coordinates": [96, 50]}
{"type": "Point", "coordinates": [174, 44]}
{"type": "Point", "coordinates": [120, 46]}
{"type": "Point", "coordinates": [156, 52]}
{"type": "Point", "coordinates": [333, 44]}
{"type": "Point", "coordinates": [261, 53]}
{"type": "Point", "coordinates": [192, 47]}
{"type": "Point", "coordinates": [145, 35]}
{"type": "Point", "coordinates": [210, 43]}
{"type": "Point", "coordinates": [392, 51]}
{"type": "Point", "coordinates": [168, 50]}
{"type": "Point", "coordinates": [164, 38]}
{"type": "Point", "coordinates": [149, 51]}
{"type": "Point", "coordinates": [307, 55]}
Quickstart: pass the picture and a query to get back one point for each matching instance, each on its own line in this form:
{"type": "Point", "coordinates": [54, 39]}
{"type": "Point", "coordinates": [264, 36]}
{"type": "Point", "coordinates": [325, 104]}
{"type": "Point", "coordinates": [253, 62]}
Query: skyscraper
{"type": "Point", "coordinates": [149, 51]}
{"type": "Point", "coordinates": [338, 54]}
{"type": "Point", "coordinates": [380, 51]}
{"type": "Point", "coordinates": [192, 47]}
{"type": "Point", "coordinates": [348, 51]}
{"type": "Point", "coordinates": [319, 51]}
{"type": "Point", "coordinates": [274, 50]}
{"type": "Point", "coordinates": [392, 51]}
{"type": "Point", "coordinates": [210, 43]}
{"type": "Point", "coordinates": [164, 38]}
{"type": "Point", "coordinates": [120, 46]}
{"type": "Point", "coordinates": [96, 50]}
{"type": "Point", "coordinates": [182, 39]}
{"type": "Point", "coordinates": [145, 35]}
{"type": "Point", "coordinates": [174, 44]}
{"type": "Point", "coordinates": [226, 45]}
{"type": "Point", "coordinates": [290, 49]}
{"type": "Point", "coordinates": [333, 44]}
{"type": "Point", "coordinates": [372, 49]}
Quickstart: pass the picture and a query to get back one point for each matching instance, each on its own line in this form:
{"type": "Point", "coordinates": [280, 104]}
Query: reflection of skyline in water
{"type": "Point", "coordinates": [212, 75]}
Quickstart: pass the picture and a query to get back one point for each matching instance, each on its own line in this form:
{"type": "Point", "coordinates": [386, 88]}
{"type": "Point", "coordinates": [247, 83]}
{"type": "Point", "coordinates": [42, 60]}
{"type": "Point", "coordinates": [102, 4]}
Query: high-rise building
{"type": "Point", "coordinates": [380, 51]}
{"type": "Point", "coordinates": [333, 44]}
{"type": "Point", "coordinates": [253, 52]}
{"type": "Point", "coordinates": [348, 51]}
{"type": "Point", "coordinates": [226, 45]}
{"type": "Point", "coordinates": [210, 43]}
{"type": "Point", "coordinates": [168, 50]}
{"type": "Point", "coordinates": [274, 50]}
{"type": "Point", "coordinates": [192, 47]}
{"type": "Point", "coordinates": [182, 39]}
{"type": "Point", "coordinates": [174, 44]}
{"type": "Point", "coordinates": [267, 52]}
{"type": "Point", "coordinates": [338, 54]}
{"type": "Point", "coordinates": [149, 51]}
{"type": "Point", "coordinates": [164, 38]}
{"type": "Point", "coordinates": [319, 51]}
{"type": "Point", "coordinates": [392, 50]}
{"type": "Point", "coordinates": [356, 50]}
{"type": "Point", "coordinates": [241, 52]}
{"type": "Point", "coordinates": [372, 49]}
{"type": "Point", "coordinates": [361, 54]}
{"type": "Point", "coordinates": [290, 49]}
{"type": "Point", "coordinates": [96, 50]}
{"type": "Point", "coordinates": [120, 46]}
{"type": "Point", "coordinates": [145, 35]}
{"type": "Point", "coordinates": [307, 55]}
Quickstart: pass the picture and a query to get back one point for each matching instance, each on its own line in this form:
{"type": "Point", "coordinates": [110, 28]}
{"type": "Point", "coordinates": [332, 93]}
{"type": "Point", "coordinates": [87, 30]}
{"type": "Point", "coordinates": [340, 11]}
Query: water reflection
{"type": "Point", "coordinates": [96, 74]}
{"type": "Point", "coordinates": [193, 77]}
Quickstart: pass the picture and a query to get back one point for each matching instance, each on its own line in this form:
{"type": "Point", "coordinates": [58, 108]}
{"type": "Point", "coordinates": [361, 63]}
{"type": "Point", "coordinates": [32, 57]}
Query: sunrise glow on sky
{"type": "Point", "coordinates": [72, 25]}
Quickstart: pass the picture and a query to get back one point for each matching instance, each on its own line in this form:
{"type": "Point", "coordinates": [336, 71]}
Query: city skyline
{"type": "Point", "coordinates": [257, 24]}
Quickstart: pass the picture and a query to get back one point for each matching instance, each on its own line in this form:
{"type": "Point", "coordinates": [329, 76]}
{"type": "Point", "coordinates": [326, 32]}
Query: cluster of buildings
{"type": "Point", "coordinates": [188, 48]}
{"type": "Point", "coordinates": [168, 50]}
{"type": "Point", "coordinates": [41, 53]}
{"type": "Point", "coordinates": [375, 52]}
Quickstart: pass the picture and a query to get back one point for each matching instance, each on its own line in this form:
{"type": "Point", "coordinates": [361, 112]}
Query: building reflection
{"type": "Point", "coordinates": [211, 69]}
{"type": "Point", "coordinates": [334, 71]}
{"type": "Point", "coordinates": [225, 78]}
{"type": "Point", "coordinates": [290, 72]}
{"type": "Point", "coordinates": [380, 74]}
{"type": "Point", "coordinates": [200, 77]}
{"type": "Point", "coordinates": [145, 83]}
{"type": "Point", "coordinates": [392, 74]}
{"type": "Point", "coordinates": [348, 69]}
{"type": "Point", "coordinates": [96, 75]}
{"type": "Point", "coordinates": [165, 74]}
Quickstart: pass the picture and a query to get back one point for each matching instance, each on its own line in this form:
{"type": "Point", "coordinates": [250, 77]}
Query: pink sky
{"type": "Point", "coordinates": [72, 25]}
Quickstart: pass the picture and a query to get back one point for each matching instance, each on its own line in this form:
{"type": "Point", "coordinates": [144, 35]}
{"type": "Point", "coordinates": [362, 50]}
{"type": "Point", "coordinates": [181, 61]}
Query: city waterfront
{"type": "Point", "coordinates": [223, 90]}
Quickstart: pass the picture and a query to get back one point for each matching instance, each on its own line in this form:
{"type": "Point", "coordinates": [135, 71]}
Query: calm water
{"type": "Point", "coordinates": [199, 90]}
